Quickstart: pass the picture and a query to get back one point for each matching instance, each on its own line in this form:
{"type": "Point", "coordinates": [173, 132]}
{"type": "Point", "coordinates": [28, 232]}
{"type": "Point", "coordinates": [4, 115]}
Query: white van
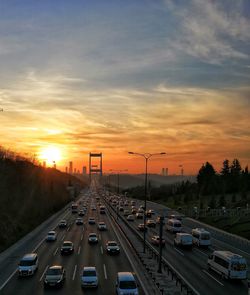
{"type": "Point", "coordinates": [28, 265]}
{"type": "Point", "coordinates": [126, 284]}
{"type": "Point", "coordinates": [174, 225]}
{"type": "Point", "coordinates": [201, 237]}
{"type": "Point", "coordinates": [228, 264]}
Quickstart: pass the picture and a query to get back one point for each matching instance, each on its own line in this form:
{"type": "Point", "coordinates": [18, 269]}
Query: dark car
{"type": "Point", "coordinates": [67, 247]}
{"type": "Point", "coordinates": [141, 227]}
{"type": "Point", "coordinates": [112, 247]}
{"type": "Point", "coordinates": [54, 276]}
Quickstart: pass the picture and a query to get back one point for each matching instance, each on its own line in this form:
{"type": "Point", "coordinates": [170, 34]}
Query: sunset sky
{"type": "Point", "coordinates": [117, 76]}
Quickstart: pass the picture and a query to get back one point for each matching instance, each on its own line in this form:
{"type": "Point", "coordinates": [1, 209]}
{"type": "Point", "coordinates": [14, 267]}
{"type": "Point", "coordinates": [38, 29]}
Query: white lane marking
{"type": "Point", "coordinates": [179, 251]}
{"type": "Point", "coordinates": [34, 250]}
{"type": "Point", "coordinates": [9, 278]}
{"type": "Point", "coordinates": [105, 271]}
{"type": "Point", "coordinates": [79, 250]}
{"type": "Point", "coordinates": [101, 249]}
{"type": "Point", "coordinates": [212, 277]}
{"type": "Point", "coordinates": [230, 246]}
{"type": "Point", "coordinates": [74, 273]}
{"type": "Point", "coordinates": [197, 250]}
{"type": "Point", "coordinates": [68, 228]}
{"type": "Point", "coordinates": [55, 251]}
{"type": "Point", "coordinates": [43, 273]}
{"type": "Point", "coordinates": [100, 237]}
{"type": "Point", "coordinates": [81, 237]}
{"type": "Point", "coordinates": [62, 237]}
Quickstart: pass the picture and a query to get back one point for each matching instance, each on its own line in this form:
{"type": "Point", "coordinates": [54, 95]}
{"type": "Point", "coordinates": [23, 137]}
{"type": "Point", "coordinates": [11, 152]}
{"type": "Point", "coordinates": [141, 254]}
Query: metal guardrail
{"type": "Point", "coordinates": [175, 275]}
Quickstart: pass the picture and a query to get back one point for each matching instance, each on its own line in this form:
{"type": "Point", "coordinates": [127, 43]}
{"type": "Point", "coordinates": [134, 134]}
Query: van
{"type": "Point", "coordinates": [126, 284]}
{"type": "Point", "coordinates": [184, 240]}
{"type": "Point", "coordinates": [28, 265]}
{"type": "Point", "coordinates": [229, 265]}
{"type": "Point", "coordinates": [173, 225]}
{"type": "Point", "coordinates": [201, 237]}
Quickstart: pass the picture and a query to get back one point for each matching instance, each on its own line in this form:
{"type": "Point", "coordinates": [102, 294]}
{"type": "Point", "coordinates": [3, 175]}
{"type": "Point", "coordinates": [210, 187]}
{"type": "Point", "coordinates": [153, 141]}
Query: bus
{"type": "Point", "coordinates": [74, 208]}
{"type": "Point", "coordinates": [228, 264]}
{"type": "Point", "coordinates": [174, 225]}
{"type": "Point", "coordinates": [201, 237]}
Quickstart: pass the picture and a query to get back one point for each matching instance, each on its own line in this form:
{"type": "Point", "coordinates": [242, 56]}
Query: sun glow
{"type": "Point", "coordinates": [50, 154]}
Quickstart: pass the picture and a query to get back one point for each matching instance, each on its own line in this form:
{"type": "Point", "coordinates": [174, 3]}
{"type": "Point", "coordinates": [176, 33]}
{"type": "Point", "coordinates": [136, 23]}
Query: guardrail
{"type": "Point", "coordinates": [175, 275]}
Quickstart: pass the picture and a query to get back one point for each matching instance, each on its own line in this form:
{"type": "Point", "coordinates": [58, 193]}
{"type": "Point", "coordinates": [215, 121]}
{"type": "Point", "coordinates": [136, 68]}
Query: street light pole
{"type": "Point", "coordinates": [146, 156]}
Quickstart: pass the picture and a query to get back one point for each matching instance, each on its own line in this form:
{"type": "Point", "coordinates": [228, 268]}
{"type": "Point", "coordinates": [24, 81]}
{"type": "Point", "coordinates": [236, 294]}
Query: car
{"type": "Point", "coordinates": [62, 223]}
{"type": "Point", "coordinates": [141, 210]}
{"type": "Point", "coordinates": [151, 211]}
{"type": "Point", "coordinates": [132, 203]}
{"type": "Point", "coordinates": [133, 211]}
{"type": "Point", "coordinates": [54, 276]}
{"type": "Point", "coordinates": [93, 208]}
{"type": "Point", "coordinates": [126, 213]}
{"type": "Point", "coordinates": [89, 277]}
{"type": "Point", "coordinates": [91, 220]}
{"type": "Point", "coordinates": [151, 223]}
{"type": "Point", "coordinates": [155, 240]}
{"type": "Point", "coordinates": [102, 209]}
{"type": "Point", "coordinates": [126, 284]}
{"type": "Point", "coordinates": [158, 219]}
{"type": "Point", "coordinates": [139, 215]}
{"type": "Point", "coordinates": [79, 221]}
{"type": "Point", "coordinates": [148, 213]}
{"type": "Point", "coordinates": [112, 247]}
{"type": "Point", "coordinates": [121, 209]}
{"type": "Point", "coordinates": [102, 225]}
{"type": "Point", "coordinates": [51, 236]}
{"type": "Point", "coordinates": [141, 227]}
{"type": "Point", "coordinates": [183, 239]}
{"type": "Point", "coordinates": [130, 217]}
{"type": "Point", "coordinates": [92, 238]}
{"type": "Point", "coordinates": [67, 247]}
{"type": "Point", "coordinates": [28, 265]}
{"type": "Point", "coordinates": [81, 212]}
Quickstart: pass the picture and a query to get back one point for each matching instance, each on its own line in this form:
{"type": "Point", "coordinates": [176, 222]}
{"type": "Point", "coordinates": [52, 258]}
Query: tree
{"type": "Point", "coordinates": [235, 168]}
{"type": "Point", "coordinates": [225, 170]}
{"type": "Point", "coordinates": [206, 179]}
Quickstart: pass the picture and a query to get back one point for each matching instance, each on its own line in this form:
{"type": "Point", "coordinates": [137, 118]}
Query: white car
{"type": "Point", "coordinates": [131, 217]}
{"type": "Point", "coordinates": [126, 284]}
{"type": "Point", "coordinates": [28, 265]}
{"type": "Point", "coordinates": [102, 226]}
{"type": "Point", "coordinates": [89, 277]}
{"type": "Point", "coordinates": [93, 238]}
{"type": "Point", "coordinates": [51, 236]}
{"type": "Point", "coordinates": [79, 221]}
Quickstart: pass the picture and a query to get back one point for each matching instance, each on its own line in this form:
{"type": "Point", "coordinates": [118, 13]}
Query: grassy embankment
{"type": "Point", "coordinates": [29, 195]}
{"type": "Point", "coordinates": [239, 225]}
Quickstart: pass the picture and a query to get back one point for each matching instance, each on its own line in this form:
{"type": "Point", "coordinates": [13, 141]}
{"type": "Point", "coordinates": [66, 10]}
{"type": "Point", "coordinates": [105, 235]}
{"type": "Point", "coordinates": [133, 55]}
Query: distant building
{"type": "Point", "coordinates": [74, 170]}
{"type": "Point", "coordinates": [84, 170]}
{"type": "Point", "coordinates": [66, 169]}
{"type": "Point", "coordinates": [166, 171]}
{"type": "Point", "coordinates": [54, 164]}
{"type": "Point", "coordinates": [163, 171]}
{"type": "Point", "coordinates": [70, 167]}
{"type": "Point", "coordinates": [44, 164]}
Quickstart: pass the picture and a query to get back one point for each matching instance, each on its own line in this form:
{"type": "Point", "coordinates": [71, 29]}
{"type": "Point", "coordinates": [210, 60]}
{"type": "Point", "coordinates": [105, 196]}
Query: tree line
{"type": "Point", "coordinates": [230, 179]}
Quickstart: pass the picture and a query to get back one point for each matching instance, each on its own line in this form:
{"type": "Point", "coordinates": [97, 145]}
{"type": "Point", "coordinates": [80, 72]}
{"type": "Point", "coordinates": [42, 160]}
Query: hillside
{"type": "Point", "coordinates": [29, 194]}
{"type": "Point", "coordinates": [156, 180]}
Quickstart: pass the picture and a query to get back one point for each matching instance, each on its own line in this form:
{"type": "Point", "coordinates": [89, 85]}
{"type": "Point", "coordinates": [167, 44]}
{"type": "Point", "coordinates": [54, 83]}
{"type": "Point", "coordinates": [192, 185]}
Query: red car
{"type": "Point", "coordinates": [155, 240]}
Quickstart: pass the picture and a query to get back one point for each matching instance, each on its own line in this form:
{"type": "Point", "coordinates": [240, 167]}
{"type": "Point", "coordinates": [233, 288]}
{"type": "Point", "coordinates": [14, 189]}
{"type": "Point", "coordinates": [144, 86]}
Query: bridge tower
{"type": "Point", "coordinates": [94, 169]}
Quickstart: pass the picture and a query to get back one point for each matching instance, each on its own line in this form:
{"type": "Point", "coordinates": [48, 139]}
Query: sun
{"type": "Point", "coordinates": [50, 154]}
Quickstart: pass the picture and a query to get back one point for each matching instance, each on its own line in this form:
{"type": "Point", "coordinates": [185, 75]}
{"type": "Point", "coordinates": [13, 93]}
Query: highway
{"type": "Point", "coordinates": [192, 264]}
{"type": "Point", "coordinates": [85, 254]}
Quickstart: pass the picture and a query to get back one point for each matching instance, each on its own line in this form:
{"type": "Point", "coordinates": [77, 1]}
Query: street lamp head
{"type": "Point", "coordinates": [163, 153]}
{"type": "Point", "coordinates": [131, 153]}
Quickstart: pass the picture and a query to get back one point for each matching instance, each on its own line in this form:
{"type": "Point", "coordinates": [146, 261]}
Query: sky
{"type": "Point", "coordinates": [146, 76]}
